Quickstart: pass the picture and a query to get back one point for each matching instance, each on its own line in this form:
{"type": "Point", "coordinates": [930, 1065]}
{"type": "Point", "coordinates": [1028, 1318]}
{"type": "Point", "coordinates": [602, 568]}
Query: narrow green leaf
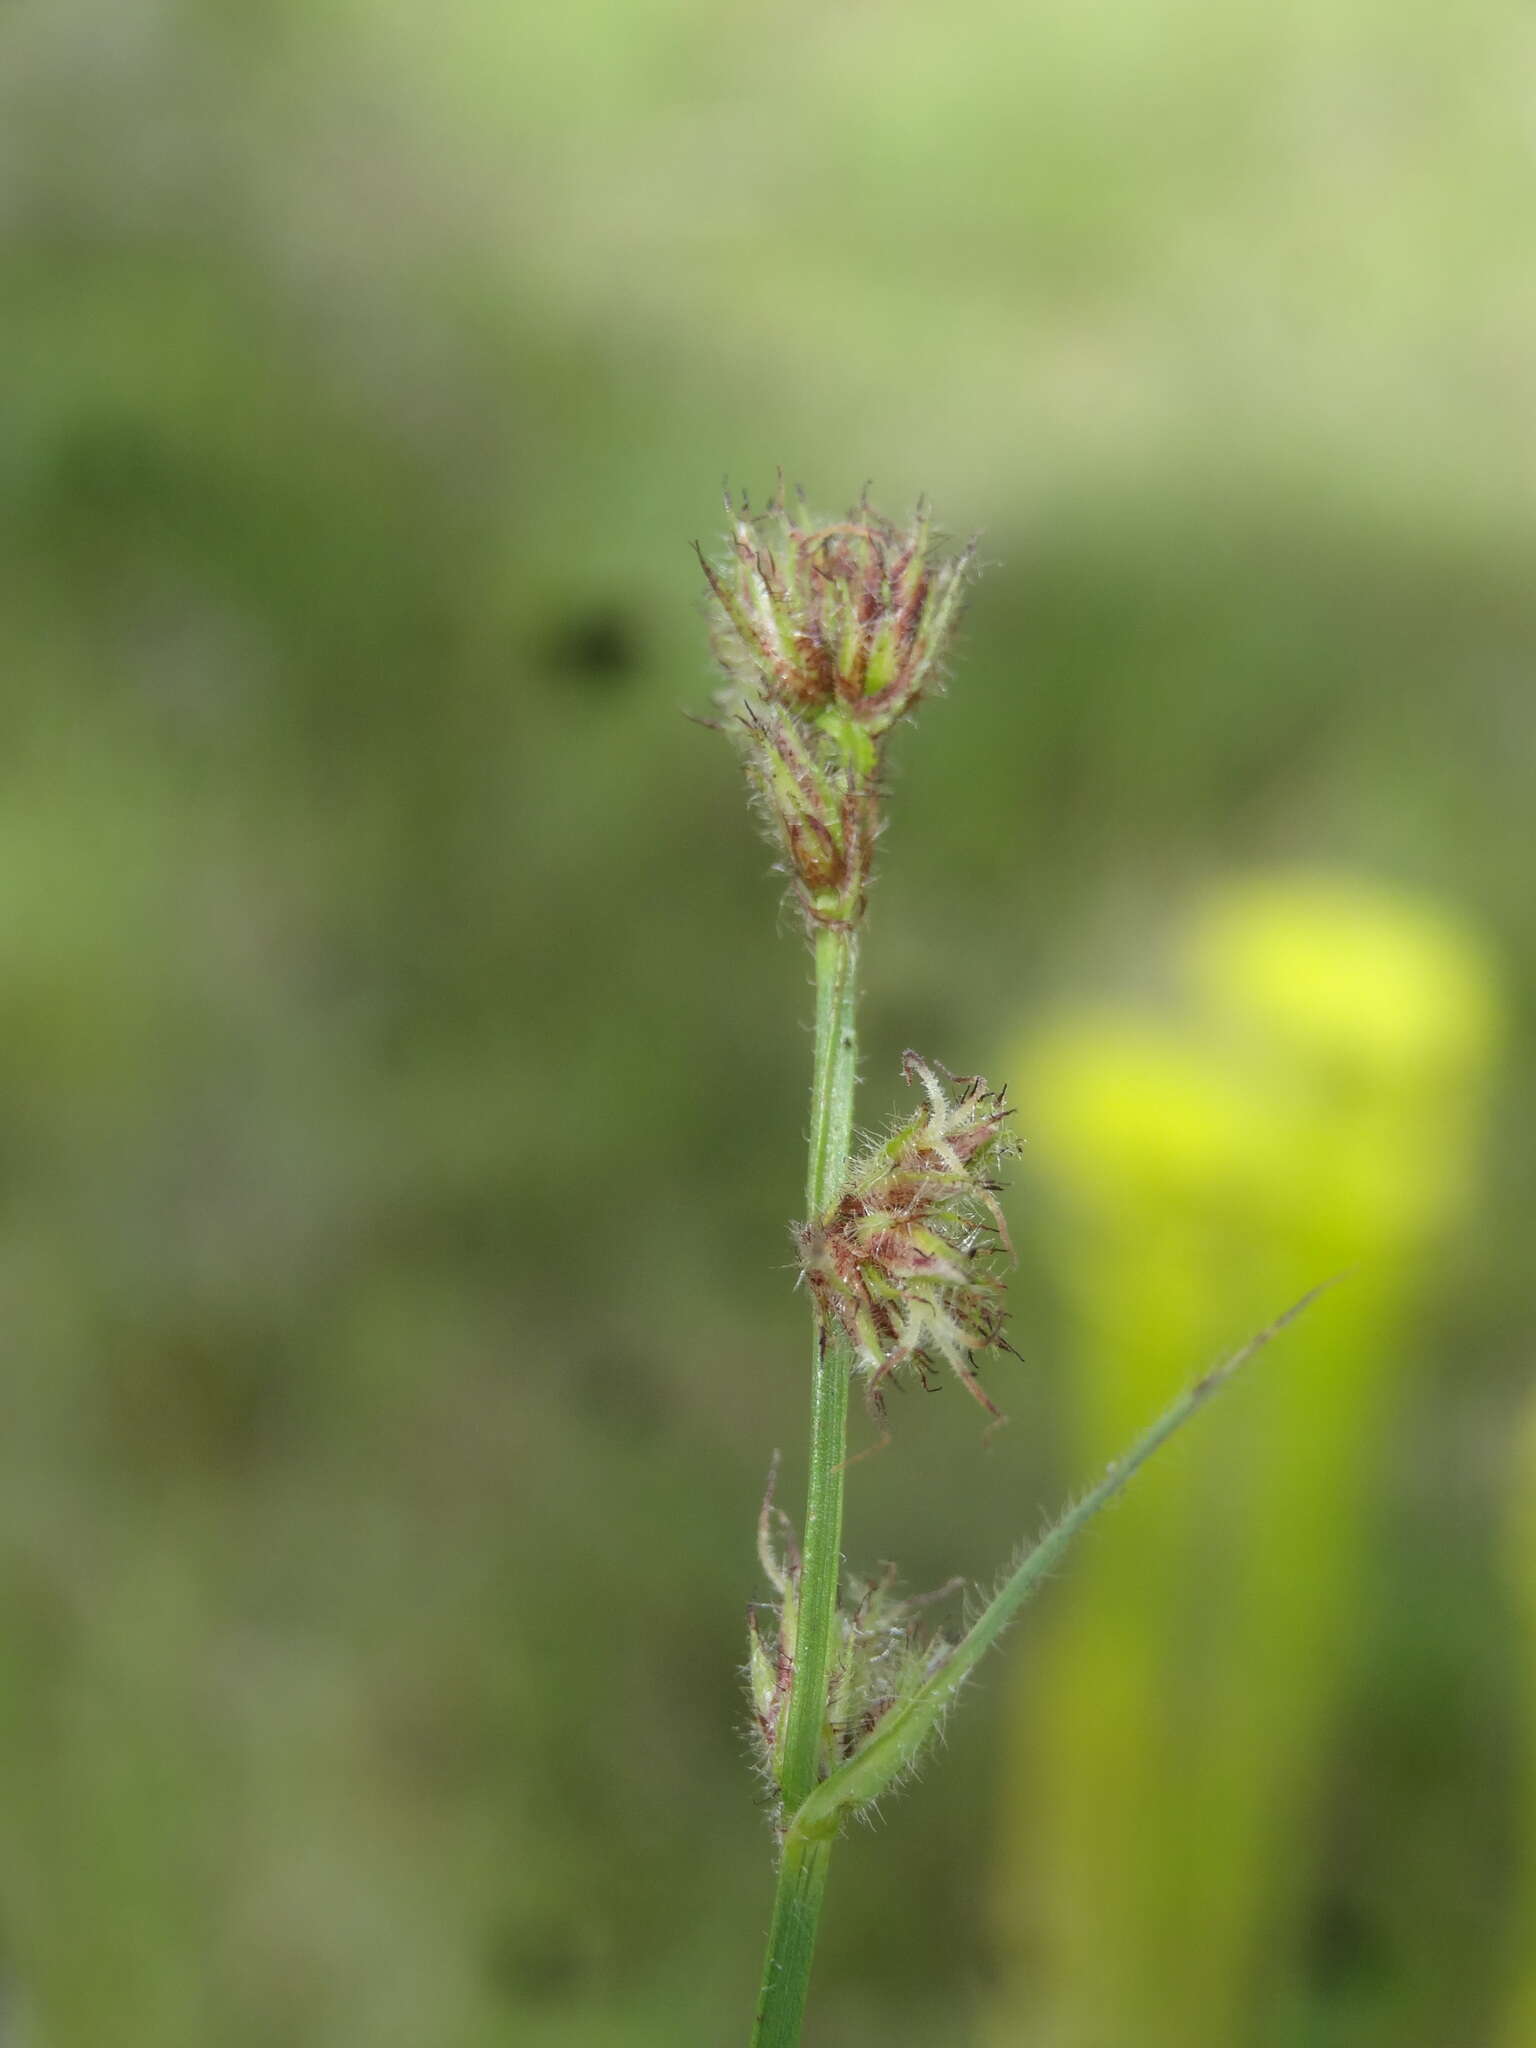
{"type": "Point", "coordinates": [894, 1750]}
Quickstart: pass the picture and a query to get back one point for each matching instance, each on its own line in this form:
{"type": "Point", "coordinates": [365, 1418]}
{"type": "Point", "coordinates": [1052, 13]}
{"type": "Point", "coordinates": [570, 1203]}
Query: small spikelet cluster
{"type": "Point", "coordinates": [883, 1655]}
{"type": "Point", "coordinates": [828, 634]}
{"type": "Point", "coordinates": [852, 615]}
{"type": "Point", "coordinates": [821, 806]}
{"type": "Point", "coordinates": [907, 1261]}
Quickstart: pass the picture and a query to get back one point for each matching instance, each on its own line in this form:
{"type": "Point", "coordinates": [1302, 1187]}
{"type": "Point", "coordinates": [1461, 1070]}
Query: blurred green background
{"type": "Point", "coordinates": [402, 1067]}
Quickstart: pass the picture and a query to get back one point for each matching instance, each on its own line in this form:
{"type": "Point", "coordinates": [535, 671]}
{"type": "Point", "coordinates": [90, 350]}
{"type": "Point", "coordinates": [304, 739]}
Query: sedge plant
{"type": "Point", "coordinates": [829, 634]}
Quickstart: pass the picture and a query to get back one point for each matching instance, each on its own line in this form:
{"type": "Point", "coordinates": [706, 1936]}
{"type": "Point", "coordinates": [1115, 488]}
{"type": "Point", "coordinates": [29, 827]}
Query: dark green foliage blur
{"type": "Point", "coordinates": [402, 1053]}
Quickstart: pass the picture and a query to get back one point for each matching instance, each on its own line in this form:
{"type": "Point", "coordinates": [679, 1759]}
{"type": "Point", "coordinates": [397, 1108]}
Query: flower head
{"type": "Point", "coordinates": [828, 633]}
{"type": "Point", "coordinates": [852, 614]}
{"type": "Point", "coordinates": [883, 1651]}
{"type": "Point", "coordinates": [906, 1262]}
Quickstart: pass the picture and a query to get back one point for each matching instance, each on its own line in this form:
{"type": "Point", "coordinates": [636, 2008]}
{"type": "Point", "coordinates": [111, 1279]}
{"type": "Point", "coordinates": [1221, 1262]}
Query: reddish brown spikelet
{"type": "Point", "coordinates": [828, 635]}
{"type": "Point", "coordinates": [907, 1261]}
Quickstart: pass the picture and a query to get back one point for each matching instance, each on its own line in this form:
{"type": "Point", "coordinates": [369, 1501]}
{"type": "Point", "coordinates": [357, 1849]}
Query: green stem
{"type": "Point", "coordinates": [792, 1941]}
{"type": "Point", "coordinates": [803, 1867]}
{"type": "Point", "coordinates": [821, 1567]}
{"type": "Point", "coordinates": [837, 1052]}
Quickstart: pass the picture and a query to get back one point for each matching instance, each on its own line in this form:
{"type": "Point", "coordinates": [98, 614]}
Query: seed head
{"type": "Point", "coordinates": [883, 1654]}
{"type": "Point", "coordinates": [853, 614]}
{"type": "Point", "coordinates": [828, 634]}
{"type": "Point", "coordinates": [907, 1260]}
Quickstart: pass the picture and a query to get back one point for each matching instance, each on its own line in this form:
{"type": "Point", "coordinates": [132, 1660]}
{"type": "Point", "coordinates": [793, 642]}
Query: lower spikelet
{"type": "Point", "coordinates": [884, 1651]}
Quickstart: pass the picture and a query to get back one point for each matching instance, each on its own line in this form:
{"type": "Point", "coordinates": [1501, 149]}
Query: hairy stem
{"type": "Point", "coordinates": [803, 1868]}
{"type": "Point", "coordinates": [816, 1613]}
{"type": "Point", "coordinates": [792, 1941]}
{"type": "Point", "coordinates": [837, 1051]}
